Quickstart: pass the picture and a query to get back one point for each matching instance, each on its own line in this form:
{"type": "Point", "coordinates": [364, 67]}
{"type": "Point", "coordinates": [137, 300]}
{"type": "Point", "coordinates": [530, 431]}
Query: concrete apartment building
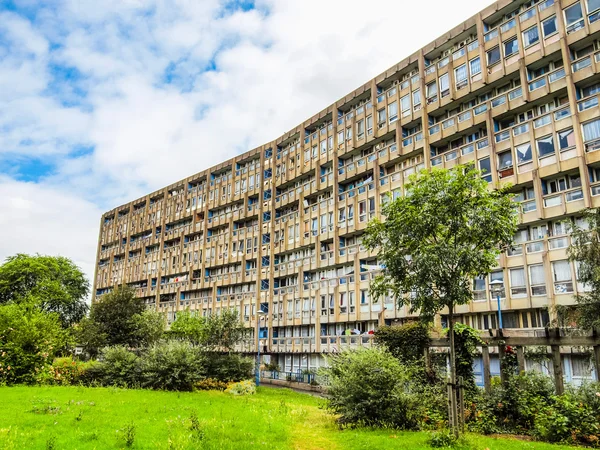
{"type": "Point", "coordinates": [279, 228]}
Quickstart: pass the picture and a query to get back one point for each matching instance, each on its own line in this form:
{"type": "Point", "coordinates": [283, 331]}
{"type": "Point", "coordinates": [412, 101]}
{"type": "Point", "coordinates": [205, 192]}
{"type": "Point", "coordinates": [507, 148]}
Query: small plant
{"type": "Point", "coordinates": [288, 377]}
{"type": "Point", "coordinates": [195, 428]}
{"type": "Point", "coordinates": [272, 367]}
{"type": "Point", "coordinates": [442, 439]}
{"type": "Point", "coordinates": [79, 416]}
{"type": "Point", "coordinates": [128, 434]}
{"type": "Point", "coordinates": [51, 443]}
{"type": "Point", "coordinates": [210, 384]}
{"type": "Point", "coordinates": [245, 387]}
{"type": "Point", "coordinates": [45, 407]}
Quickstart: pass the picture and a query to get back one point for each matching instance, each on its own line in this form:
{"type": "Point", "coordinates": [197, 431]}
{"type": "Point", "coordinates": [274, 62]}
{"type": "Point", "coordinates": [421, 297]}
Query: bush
{"type": "Point", "coordinates": [29, 340]}
{"type": "Point", "coordinates": [567, 420]}
{"type": "Point", "coordinates": [442, 439]}
{"type": "Point", "coordinates": [370, 387]}
{"type": "Point", "coordinates": [172, 366]}
{"type": "Point", "coordinates": [64, 371]}
{"type": "Point", "coordinates": [210, 384]}
{"type": "Point", "coordinates": [228, 367]}
{"type": "Point", "coordinates": [510, 407]}
{"type": "Point", "coordinates": [246, 387]}
{"type": "Point", "coordinates": [119, 367]}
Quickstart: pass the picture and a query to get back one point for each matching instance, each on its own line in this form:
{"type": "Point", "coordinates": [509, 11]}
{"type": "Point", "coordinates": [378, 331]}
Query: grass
{"type": "Point", "coordinates": [105, 418]}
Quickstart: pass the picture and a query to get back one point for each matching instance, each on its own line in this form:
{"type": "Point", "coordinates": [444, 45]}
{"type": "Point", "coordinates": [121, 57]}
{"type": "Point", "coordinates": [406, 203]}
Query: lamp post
{"type": "Point", "coordinates": [260, 313]}
{"type": "Point", "coordinates": [496, 288]}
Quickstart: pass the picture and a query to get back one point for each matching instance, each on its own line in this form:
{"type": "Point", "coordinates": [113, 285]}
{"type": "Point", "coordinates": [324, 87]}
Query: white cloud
{"type": "Point", "coordinates": [273, 68]}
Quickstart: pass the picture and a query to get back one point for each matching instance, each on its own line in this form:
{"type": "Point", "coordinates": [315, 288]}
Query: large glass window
{"type": "Point", "coordinates": [444, 85]}
{"type": "Point", "coordinates": [405, 103]}
{"type": "Point", "coordinates": [561, 271]}
{"type": "Point", "coordinates": [460, 76]}
{"type": "Point", "coordinates": [511, 47]}
{"type": "Point", "coordinates": [545, 146]}
{"type": "Point", "coordinates": [531, 36]}
{"type": "Point", "coordinates": [393, 111]}
{"type": "Point", "coordinates": [537, 279]}
{"type": "Point", "coordinates": [493, 56]}
{"type": "Point", "coordinates": [574, 18]}
{"type": "Point", "coordinates": [592, 5]}
{"type": "Point", "coordinates": [518, 286]}
{"type": "Point", "coordinates": [416, 97]}
{"type": "Point", "coordinates": [591, 130]}
{"type": "Point", "coordinates": [486, 169]}
{"type": "Point", "coordinates": [523, 153]}
{"type": "Point", "coordinates": [549, 26]}
{"type": "Point", "coordinates": [504, 160]}
{"type": "Point", "coordinates": [431, 89]}
{"type": "Point", "coordinates": [475, 66]}
{"type": "Point", "coordinates": [566, 139]}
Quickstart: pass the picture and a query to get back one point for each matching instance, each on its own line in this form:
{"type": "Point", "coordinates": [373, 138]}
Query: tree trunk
{"type": "Point", "coordinates": [453, 401]}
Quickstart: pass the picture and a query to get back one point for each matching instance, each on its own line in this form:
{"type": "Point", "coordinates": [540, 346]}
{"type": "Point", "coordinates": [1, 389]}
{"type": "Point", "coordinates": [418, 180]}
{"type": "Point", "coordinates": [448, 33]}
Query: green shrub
{"type": "Point", "coordinates": [442, 439]}
{"type": "Point", "coordinates": [210, 384]}
{"type": "Point", "coordinates": [29, 340]}
{"type": "Point", "coordinates": [119, 367]}
{"type": "Point", "coordinates": [370, 387]}
{"type": "Point", "coordinates": [510, 407]}
{"type": "Point", "coordinates": [246, 387]}
{"type": "Point", "coordinates": [172, 366]}
{"type": "Point", "coordinates": [64, 371]}
{"type": "Point", "coordinates": [567, 420]}
{"type": "Point", "coordinates": [228, 367]}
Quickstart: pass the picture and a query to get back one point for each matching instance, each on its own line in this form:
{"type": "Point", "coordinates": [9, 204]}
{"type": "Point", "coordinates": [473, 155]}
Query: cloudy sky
{"type": "Point", "coordinates": [103, 101]}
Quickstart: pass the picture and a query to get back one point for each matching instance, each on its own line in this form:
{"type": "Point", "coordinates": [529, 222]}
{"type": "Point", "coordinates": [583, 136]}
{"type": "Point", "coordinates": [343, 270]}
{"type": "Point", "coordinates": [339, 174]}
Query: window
{"type": "Point", "coordinates": [537, 279]}
{"type": "Point", "coordinates": [493, 56]}
{"type": "Point", "coordinates": [505, 160]}
{"type": "Point", "coordinates": [369, 125]}
{"type": "Point", "coordinates": [348, 134]}
{"type": "Point", "coordinates": [381, 117]}
{"type": "Point", "coordinates": [475, 66]}
{"type": "Point", "coordinates": [561, 271]}
{"type": "Point", "coordinates": [511, 47]}
{"type": "Point", "coordinates": [460, 76]}
{"type": "Point", "coordinates": [592, 5]}
{"type": "Point", "coordinates": [518, 287]}
{"type": "Point", "coordinates": [340, 137]}
{"type": "Point", "coordinates": [545, 146]}
{"type": "Point", "coordinates": [431, 90]}
{"type": "Point", "coordinates": [444, 85]}
{"type": "Point", "coordinates": [416, 97]}
{"type": "Point", "coordinates": [574, 18]}
{"type": "Point", "coordinates": [531, 36]}
{"type": "Point", "coordinates": [486, 169]}
{"type": "Point", "coordinates": [393, 111]}
{"type": "Point", "coordinates": [566, 139]}
{"type": "Point", "coordinates": [360, 128]}
{"type": "Point", "coordinates": [479, 289]}
{"type": "Point", "coordinates": [523, 153]}
{"type": "Point", "coordinates": [405, 104]}
{"type": "Point", "coordinates": [591, 130]}
{"type": "Point", "coordinates": [549, 26]}
{"type": "Point", "coordinates": [323, 146]}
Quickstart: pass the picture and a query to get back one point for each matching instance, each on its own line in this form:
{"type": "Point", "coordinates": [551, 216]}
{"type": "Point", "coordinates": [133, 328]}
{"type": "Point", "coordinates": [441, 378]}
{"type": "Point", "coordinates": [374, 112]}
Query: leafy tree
{"type": "Point", "coordinates": [215, 332]}
{"type": "Point", "coordinates": [585, 249]}
{"type": "Point", "coordinates": [119, 318]}
{"type": "Point", "coordinates": [29, 340]}
{"type": "Point", "coordinates": [150, 327]}
{"type": "Point", "coordinates": [446, 230]}
{"type": "Point", "coordinates": [407, 342]}
{"type": "Point", "coordinates": [53, 283]}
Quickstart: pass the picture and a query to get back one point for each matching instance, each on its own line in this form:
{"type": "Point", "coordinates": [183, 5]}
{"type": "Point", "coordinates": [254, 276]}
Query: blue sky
{"type": "Point", "coordinates": [101, 102]}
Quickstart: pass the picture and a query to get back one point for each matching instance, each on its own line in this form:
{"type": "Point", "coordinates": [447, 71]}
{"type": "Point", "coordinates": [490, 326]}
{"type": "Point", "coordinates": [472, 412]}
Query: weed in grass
{"type": "Point", "coordinates": [51, 443]}
{"type": "Point", "coordinates": [127, 434]}
{"type": "Point", "coordinates": [43, 406]}
{"type": "Point", "coordinates": [195, 428]}
{"type": "Point", "coordinates": [86, 437]}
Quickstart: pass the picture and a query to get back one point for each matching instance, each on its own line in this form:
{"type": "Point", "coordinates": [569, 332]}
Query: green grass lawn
{"type": "Point", "coordinates": [104, 418]}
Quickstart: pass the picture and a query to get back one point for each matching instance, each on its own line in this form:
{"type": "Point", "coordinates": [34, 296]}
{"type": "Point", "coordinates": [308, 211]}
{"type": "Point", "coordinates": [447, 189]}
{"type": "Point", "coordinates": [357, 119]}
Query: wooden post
{"type": "Point", "coordinates": [521, 359]}
{"type": "Point", "coordinates": [487, 381]}
{"type": "Point", "coordinates": [558, 372]}
{"type": "Point", "coordinates": [597, 361]}
{"type": "Point", "coordinates": [501, 354]}
{"type": "Point", "coordinates": [461, 404]}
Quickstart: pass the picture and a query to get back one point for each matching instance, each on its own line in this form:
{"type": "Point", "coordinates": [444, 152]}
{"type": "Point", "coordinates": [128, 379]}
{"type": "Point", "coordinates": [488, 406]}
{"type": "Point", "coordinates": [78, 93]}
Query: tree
{"type": "Point", "coordinates": [448, 229]}
{"type": "Point", "coordinates": [585, 250]}
{"type": "Point", "coordinates": [53, 283]}
{"type": "Point", "coordinates": [116, 320]}
{"type": "Point", "coordinates": [29, 340]}
{"type": "Point", "coordinates": [215, 332]}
